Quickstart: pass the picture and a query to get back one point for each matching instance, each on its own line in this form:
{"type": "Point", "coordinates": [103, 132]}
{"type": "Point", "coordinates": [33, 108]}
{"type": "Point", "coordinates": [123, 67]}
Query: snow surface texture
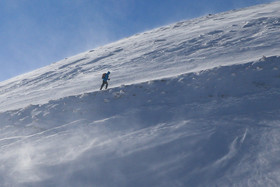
{"type": "Point", "coordinates": [190, 104]}
{"type": "Point", "coordinates": [228, 38]}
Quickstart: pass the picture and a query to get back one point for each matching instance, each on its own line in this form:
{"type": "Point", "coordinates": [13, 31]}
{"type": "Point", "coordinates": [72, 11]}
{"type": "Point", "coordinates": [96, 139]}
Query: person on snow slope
{"type": "Point", "coordinates": [105, 78]}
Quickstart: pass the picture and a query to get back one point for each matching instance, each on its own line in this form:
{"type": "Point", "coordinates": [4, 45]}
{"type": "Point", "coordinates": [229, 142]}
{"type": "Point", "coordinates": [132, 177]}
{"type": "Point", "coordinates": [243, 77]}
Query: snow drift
{"type": "Point", "coordinates": [218, 125]}
{"type": "Point", "coordinates": [190, 104]}
{"type": "Point", "coordinates": [233, 37]}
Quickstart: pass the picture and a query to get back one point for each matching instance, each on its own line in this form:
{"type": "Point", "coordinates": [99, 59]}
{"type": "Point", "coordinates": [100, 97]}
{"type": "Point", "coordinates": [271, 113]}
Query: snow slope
{"type": "Point", "coordinates": [233, 37]}
{"type": "Point", "coordinates": [190, 104]}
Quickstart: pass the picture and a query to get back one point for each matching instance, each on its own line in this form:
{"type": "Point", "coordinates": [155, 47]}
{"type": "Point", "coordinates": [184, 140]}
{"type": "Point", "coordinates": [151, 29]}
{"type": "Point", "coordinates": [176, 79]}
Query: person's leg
{"type": "Point", "coordinates": [106, 85]}
{"type": "Point", "coordinates": [102, 85]}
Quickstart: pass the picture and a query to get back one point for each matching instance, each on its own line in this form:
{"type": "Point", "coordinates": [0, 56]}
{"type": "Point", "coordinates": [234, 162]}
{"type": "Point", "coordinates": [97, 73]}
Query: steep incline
{"type": "Point", "coordinates": [188, 46]}
{"type": "Point", "coordinates": [218, 127]}
{"type": "Point", "coordinates": [190, 104]}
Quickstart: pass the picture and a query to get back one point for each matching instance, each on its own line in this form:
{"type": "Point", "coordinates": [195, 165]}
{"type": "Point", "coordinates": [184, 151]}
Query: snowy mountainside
{"type": "Point", "coordinates": [216, 127]}
{"type": "Point", "coordinates": [233, 37]}
{"type": "Point", "coordinates": [195, 103]}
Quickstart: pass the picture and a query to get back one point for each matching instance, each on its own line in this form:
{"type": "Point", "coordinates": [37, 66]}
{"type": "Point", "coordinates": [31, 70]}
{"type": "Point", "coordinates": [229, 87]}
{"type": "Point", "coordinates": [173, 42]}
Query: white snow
{"type": "Point", "coordinates": [195, 103]}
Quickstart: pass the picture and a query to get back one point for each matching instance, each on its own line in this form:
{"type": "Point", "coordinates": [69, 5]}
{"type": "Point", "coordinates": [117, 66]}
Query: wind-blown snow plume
{"type": "Point", "coordinates": [189, 105]}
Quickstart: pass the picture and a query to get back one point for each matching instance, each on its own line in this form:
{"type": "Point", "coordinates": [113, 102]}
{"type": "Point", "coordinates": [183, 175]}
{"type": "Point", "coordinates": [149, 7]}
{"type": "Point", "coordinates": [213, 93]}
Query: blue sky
{"type": "Point", "coordinates": [36, 33]}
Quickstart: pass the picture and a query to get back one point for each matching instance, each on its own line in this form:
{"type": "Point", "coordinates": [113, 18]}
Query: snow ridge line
{"type": "Point", "coordinates": [219, 82]}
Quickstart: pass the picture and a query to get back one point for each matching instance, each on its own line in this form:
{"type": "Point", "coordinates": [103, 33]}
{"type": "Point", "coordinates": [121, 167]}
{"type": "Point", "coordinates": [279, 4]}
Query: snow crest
{"type": "Point", "coordinates": [195, 103]}
{"type": "Point", "coordinates": [218, 124]}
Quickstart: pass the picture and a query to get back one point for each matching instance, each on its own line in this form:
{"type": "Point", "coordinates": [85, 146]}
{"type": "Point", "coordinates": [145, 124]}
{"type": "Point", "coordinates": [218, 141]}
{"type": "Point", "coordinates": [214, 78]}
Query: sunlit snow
{"type": "Point", "coordinates": [195, 103]}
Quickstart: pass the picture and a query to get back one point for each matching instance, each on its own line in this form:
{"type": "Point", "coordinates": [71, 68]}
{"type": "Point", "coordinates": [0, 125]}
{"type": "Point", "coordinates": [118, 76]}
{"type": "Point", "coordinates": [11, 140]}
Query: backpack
{"type": "Point", "coordinates": [103, 75]}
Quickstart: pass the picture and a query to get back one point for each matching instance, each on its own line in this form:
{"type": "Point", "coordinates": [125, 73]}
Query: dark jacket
{"type": "Point", "coordinates": [106, 77]}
